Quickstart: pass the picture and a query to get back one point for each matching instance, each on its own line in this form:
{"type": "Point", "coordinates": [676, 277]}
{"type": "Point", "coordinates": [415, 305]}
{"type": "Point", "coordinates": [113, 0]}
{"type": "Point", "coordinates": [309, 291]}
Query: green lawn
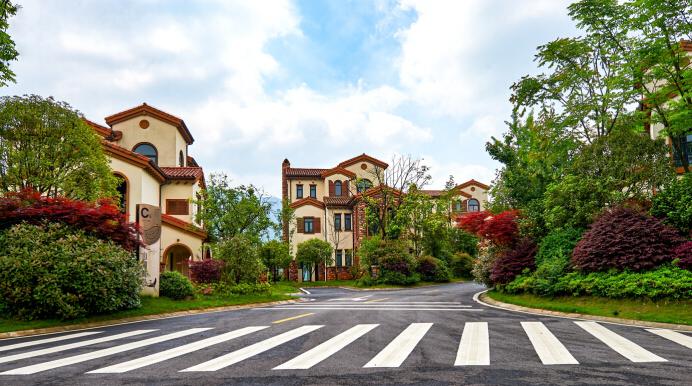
{"type": "Point", "coordinates": [677, 312]}
{"type": "Point", "coordinates": [153, 306]}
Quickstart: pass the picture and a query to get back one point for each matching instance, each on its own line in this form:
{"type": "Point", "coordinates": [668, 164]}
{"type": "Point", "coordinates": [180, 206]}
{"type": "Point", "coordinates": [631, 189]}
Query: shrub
{"type": "Point", "coordinates": [55, 271]}
{"type": "Point", "coordinates": [463, 241]}
{"type": "Point", "coordinates": [102, 219]}
{"type": "Point", "coordinates": [432, 269]}
{"type": "Point", "coordinates": [473, 222]}
{"type": "Point", "coordinates": [558, 244]}
{"type": "Point", "coordinates": [514, 261]}
{"type": "Point", "coordinates": [487, 254]}
{"type": "Point", "coordinates": [314, 251]}
{"type": "Point", "coordinates": [206, 271]}
{"type": "Point", "coordinates": [462, 264]}
{"type": "Point", "coordinates": [175, 285]}
{"type": "Point", "coordinates": [684, 255]}
{"type": "Point", "coordinates": [673, 204]}
{"type": "Point", "coordinates": [397, 278]}
{"type": "Point", "coordinates": [624, 238]}
{"type": "Point", "coordinates": [666, 282]}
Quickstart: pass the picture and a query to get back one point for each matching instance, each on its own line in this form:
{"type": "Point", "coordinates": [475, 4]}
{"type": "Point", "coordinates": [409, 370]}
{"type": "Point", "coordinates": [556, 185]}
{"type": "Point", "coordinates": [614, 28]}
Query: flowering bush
{"type": "Point", "coordinates": [624, 238]}
{"type": "Point", "coordinates": [501, 228]}
{"type": "Point", "coordinates": [206, 271]}
{"type": "Point", "coordinates": [514, 261]}
{"type": "Point", "coordinates": [684, 253]}
{"type": "Point", "coordinates": [103, 219]}
{"type": "Point", "coordinates": [473, 222]}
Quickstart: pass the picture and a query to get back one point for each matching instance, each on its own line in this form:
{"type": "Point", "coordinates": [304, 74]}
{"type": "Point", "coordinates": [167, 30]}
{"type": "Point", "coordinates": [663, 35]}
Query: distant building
{"type": "Point", "coordinates": [328, 205]}
{"type": "Point", "coordinates": [148, 150]}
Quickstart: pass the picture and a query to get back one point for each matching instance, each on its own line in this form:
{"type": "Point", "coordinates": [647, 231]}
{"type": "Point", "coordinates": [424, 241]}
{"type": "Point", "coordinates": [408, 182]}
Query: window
{"type": "Point", "coordinates": [349, 257]}
{"type": "Point", "coordinates": [347, 221]}
{"type": "Point", "coordinates": [474, 205]}
{"type": "Point", "coordinates": [337, 222]}
{"type": "Point", "coordinates": [457, 206]}
{"type": "Point", "coordinates": [339, 255]}
{"type": "Point", "coordinates": [299, 191]}
{"type": "Point", "coordinates": [363, 185]}
{"type": "Point", "coordinates": [177, 207]}
{"type": "Point", "coordinates": [148, 150]}
{"type": "Point", "coordinates": [181, 159]}
{"type": "Point", "coordinates": [337, 188]}
{"type": "Point", "coordinates": [122, 193]}
{"type": "Point", "coordinates": [308, 225]}
{"type": "Point", "coordinates": [683, 143]}
{"type": "Point", "coordinates": [313, 191]}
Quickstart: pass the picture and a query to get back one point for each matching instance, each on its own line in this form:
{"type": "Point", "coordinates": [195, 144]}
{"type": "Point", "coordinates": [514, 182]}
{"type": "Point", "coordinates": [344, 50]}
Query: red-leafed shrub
{"type": "Point", "coordinates": [103, 219]}
{"type": "Point", "coordinates": [502, 228]}
{"type": "Point", "coordinates": [472, 222]}
{"type": "Point", "coordinates": [684, 253]}
{"type": "Point", "coordinates": [514, 261]}
{"type": "Point", "coordinates": [206, 271]}
{"type": "Point", "coordinates": [624, 238]}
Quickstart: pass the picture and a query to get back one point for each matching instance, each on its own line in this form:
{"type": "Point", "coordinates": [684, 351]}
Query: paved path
{"type": "Point", "coordinates": [432, 335]}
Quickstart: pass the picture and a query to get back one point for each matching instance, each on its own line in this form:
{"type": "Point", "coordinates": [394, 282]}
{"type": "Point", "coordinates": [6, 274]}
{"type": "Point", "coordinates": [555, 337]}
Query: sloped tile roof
{"type": "Point", "coordinates": [338, 201]}
{"type": "Point", "coordinates": [304, 172]}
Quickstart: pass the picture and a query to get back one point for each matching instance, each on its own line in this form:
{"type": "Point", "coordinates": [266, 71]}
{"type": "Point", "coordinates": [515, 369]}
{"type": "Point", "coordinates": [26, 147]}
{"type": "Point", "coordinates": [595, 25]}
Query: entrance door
{"type": "Point", "coordinates": [307, 272]}
{"type": "Point", "coordinates": [178, 257]}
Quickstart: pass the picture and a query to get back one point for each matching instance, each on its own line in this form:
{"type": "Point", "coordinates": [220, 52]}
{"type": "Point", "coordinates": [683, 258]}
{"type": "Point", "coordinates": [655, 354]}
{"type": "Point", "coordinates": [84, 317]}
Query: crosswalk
{"type": "Point", "coordinates": [474, 347]}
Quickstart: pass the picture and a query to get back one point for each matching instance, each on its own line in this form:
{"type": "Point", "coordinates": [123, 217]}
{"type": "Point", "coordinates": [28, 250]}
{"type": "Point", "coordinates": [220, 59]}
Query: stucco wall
{"type": "Point", "coordinates": [368, 173]}
{"type": "Point", "coordinates": [142, 187]}
{"type": "Point", "coordinates": [306, 188]}
{"type": "Point", "coordinates": [171, 236]}
{"type": "Point", "coordinates": [345, 238]}
{"type": "Point", "coordinates": [479, 194]}
{"type": "Point", "coordinates": [307, 211]}
{"type": "Point", "coordinates": [165, 137]}
{"type": "Point", "coordinates": [178, 191]}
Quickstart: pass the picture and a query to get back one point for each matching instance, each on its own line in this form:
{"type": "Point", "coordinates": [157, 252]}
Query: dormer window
{"type": "Point", "coordinates": [337, 188]}
{"type": "Point", "coordinates": [181, 159]}
{"type": "Point", "coordinates": [148, 150]}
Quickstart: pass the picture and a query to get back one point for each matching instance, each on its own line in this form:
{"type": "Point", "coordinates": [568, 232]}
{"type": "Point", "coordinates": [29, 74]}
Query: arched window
{"type": "Point", "coordinates": [457, 206]}
{"type": "Point", "coordinates": [337, 188]}
{"type": "Point", "coordinates": [363, 185]}
{"type": "Point", "coordinates": [181, 159]}
{"type": "Point", "coordinates": [122, 192]}
{"type": "Point", "coordinates": [474, 205]}
{"type": "Point", "coordinates": [148, 150]}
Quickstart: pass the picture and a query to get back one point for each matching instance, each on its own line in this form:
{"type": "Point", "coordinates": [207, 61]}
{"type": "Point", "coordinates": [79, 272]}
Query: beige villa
{"type": "Point", "coordinates": [327, 206]}
{"type": "Point", "coordinates": [148, 150]}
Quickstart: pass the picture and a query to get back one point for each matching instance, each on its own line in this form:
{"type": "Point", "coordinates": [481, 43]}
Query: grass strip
{"type": "Point", "coordinates": [664, 311]}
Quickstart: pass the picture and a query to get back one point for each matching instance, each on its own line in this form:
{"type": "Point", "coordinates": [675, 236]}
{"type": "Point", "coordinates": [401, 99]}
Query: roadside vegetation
{"type": "Point", "coordinates": [588, 214]}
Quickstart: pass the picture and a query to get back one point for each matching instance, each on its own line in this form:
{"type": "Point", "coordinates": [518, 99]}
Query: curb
{"type": "Point", "coordinates": [484, 299]}
{"type": "Point", "coordinates": [135, 319]}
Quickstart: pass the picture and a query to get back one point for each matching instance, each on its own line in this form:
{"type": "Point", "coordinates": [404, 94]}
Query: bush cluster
{"type": "Point", "coordinates": [432, 269]}
{"type": "Point", "coordinates": [175, 285]}
{"type": "Point", "coordinates": [102, 219]}
{"type": "Point", "coordinates": [206, 271]}
{"type": "Point", "coordinates": [624, 238]}
{"type": "Point", "coordinates": [666, 282]}
{"type": "Point", "coordinates": [461, 265]}
{"type": "Point", "coordinates": [513, 261]}
{"type": "Point", "coordinates": [683, 253]}
{"type": "Point", "coordinates": [56, 271]}
{"type": "Point", "coordinates": [674, 204]}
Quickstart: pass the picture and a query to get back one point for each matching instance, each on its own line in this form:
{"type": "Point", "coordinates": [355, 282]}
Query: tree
{"type": "Point", "coordinates": [47, 147]}
{"type": "Point", "coordinates": [275, 254]}
{"type": "Point", "coordinates": [314, 251]}
{"type": "Point", "coordinates": [242, 263]}
{"type": "Point", "coordinates": [229, 211]}
{"type": "Point", "coordinates": [8, 52]}
{"type": "Point", "coordinates": [392, 183]}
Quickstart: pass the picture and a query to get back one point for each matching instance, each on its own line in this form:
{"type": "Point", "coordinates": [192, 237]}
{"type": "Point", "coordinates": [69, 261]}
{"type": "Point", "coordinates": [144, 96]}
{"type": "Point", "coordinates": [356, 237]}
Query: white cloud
{"type": "Point", "coordinates": [462, 172]}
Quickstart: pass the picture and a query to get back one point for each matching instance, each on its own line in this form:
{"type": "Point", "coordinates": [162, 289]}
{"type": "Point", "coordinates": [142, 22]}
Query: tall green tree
{"type": "Point", "coordinates": [313, 252]}
{"type": "Point", "coordinates": [46, 146]}
{"type": "Point", "coordinates": [275, 254]}
{"type": "Point", "coordinates": [230, 211]}
{"type": "Point", "coordinates": [8, 51]}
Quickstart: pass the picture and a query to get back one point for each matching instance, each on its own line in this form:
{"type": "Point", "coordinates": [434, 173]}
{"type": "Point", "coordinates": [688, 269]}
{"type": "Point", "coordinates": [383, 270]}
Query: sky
{"type": "Point", "coordinates": [316, 82]}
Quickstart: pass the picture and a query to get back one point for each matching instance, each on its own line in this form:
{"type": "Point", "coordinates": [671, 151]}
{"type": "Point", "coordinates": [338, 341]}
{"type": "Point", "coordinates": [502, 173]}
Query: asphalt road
{"type": "Point", "coordinates": [421, 336]}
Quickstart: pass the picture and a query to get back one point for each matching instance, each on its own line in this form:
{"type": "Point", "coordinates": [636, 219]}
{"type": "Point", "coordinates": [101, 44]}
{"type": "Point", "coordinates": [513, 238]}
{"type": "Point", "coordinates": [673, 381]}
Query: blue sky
{"type": "Point", "coordinates": [312, 81]}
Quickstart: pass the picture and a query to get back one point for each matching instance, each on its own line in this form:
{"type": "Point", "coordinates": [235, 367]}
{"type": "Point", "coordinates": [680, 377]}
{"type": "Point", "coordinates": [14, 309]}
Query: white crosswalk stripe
{"type": "Point", "coordinates": [327, 349]}
{"type": "Point", "coordinates": [622, 345]}
{"type": "Point", "coordinates": [474, 346]}
{"type": "Point", "coordinates": [47, 340]}
{"type": "Point", "coordinates": [100, 353]}
{"type": "Point", "coordinates": [51, 350]}
{"type": "Point", "coordinates": [547, 346]}
{"type": "Point", "coordinates": [176, 351]}
{"type": "Point", "coordinates": [676, 337]}
{"type": "Point", "coordinates": [400, 348]}
{"type": "Point", "coordinates": [252, 350]}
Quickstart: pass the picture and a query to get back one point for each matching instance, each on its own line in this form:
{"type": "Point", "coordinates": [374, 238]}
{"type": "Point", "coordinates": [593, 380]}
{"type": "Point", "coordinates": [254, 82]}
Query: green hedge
{"type": "Point", "coordinates": [666, 282]}
{"type": "Point", "coordinates": [175, 285]}
{"type": "Point", "coordinates": [55, 271]}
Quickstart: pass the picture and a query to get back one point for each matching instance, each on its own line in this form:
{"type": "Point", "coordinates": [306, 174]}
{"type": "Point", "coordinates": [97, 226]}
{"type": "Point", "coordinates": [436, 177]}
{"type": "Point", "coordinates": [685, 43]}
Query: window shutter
{"type": "Point", "coordinates": [331, 189]}
{"type": "Point", "coordinates": [177, 207]}
{"type": "Point", "coordinates": [316, 225]}
{"type": "Point", "coordinates": [301, 225]}
{"type": "Point", "coordinates": [345, 191]}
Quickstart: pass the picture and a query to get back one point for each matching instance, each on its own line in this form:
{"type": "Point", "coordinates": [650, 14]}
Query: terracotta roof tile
{"type": "Point", "coordinates": [338, 201]}
{"type": "Point", "coordinates": [186, 172]}
{"type": "Point", "coordinates": [304, 172]}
